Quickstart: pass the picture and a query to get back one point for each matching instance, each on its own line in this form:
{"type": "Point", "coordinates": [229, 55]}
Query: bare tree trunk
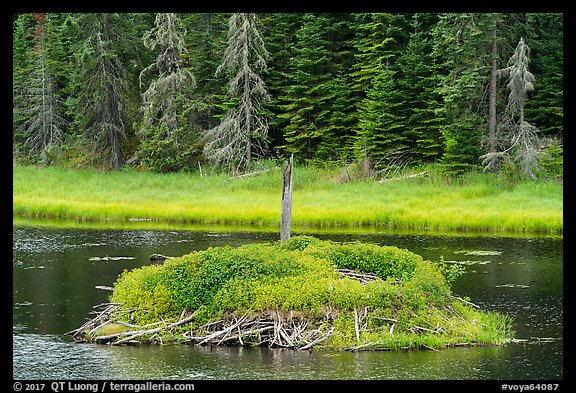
{"type": "Point", "coordinates": [286, 220]}
{"type": "Point", "coordinates": [45, 126]}
{"type": "Point", "coordinates": [116, 154]}
{"type": "Point", "coordinates": [248, 116]}
{"type": "Point", "coordinates": [114, 138]}
{"type": "Point", "coordinates": [492, 148]}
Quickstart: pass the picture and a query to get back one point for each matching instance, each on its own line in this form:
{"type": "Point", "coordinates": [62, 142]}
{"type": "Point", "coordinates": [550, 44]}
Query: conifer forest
{"type": "Point", "coordinates": [174, 92]}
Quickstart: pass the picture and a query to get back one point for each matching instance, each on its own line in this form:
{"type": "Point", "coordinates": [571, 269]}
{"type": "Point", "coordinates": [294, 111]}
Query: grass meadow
{"type": "Point", "coordinates": [475, 202]}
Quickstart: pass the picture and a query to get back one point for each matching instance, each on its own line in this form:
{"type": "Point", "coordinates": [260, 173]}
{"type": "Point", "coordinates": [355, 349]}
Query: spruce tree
{"type": "Point", "coordinates": [22, 44]}
{"type": "Point", "coordinates": [546, 105]}
{"type": "Point", "coordinates": [381, 129]}
{"type": "Point", "coordinates": [378, 101]}
{"type": "Point", "coordinates": [464, 43]}
{"type": "Point", "coordinates": [205, 38]}
{"type": "Point", "coordinates": [43, 128]}
{"type": "Point", "coordinates": [280, 30]}
{"type": "Point", "coordinates": [105, 100]}
{"type": "Point", "coordinates": [243, 131]}
{"type": "Point", "coordinates": [337, 142]}
{"type": "Point", "coordinates": [374, 48]}
{"type": "Point", "coordinates": [419, 78]}
{"type": "Point", "coordinates": [166, 137]}
{"type": "Point", "coordinates": [338, 114]}
{"type": "Point", "coordinates": [307, 94]}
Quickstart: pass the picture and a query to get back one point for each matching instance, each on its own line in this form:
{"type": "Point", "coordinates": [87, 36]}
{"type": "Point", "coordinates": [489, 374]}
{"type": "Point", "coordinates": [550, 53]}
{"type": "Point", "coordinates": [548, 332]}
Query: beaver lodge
{"type": "Point", "coordinates": [304, 293]}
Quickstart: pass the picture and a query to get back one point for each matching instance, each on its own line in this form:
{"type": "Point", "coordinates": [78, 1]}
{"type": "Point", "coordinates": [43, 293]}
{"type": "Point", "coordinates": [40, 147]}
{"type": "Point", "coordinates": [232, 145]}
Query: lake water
{"type": "Point", "coordinates": [55, 275]}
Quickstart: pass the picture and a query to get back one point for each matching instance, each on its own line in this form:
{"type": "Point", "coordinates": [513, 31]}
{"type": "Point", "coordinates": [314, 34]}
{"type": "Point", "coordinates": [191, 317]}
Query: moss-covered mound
{"type": "Point", "coordinates": [302, 294]}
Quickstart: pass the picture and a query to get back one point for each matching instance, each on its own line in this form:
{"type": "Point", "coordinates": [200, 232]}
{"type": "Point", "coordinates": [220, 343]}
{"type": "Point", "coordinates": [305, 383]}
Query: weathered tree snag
{"type": "Point", "coordinates": [286, 218]}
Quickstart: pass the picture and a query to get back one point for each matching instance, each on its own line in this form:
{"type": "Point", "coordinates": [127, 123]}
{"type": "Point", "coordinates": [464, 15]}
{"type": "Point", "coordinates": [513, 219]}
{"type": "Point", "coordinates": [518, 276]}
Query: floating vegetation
{"type": "Point", "coordinates": [303, 294]}
{"type": "Point", "coordinates": [469, 262]}
{"type": "Point", "coordinates": [535, 340]}
{"type": "Point", "coordinates": [107, 258]}
{"type": "Point", "coordinates": [479, 252]}
{"type": "Point", "coordinates": [512, 286]}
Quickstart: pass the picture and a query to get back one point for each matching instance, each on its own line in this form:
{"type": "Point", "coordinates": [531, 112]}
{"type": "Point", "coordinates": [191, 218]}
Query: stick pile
{"type": "Point", "coordinates": [260, 330]}
{"type": "Point", "coordinates": [257, 329]}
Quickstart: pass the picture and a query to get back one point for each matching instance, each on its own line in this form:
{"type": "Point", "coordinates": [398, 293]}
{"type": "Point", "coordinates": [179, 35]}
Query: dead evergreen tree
{"type": "Point", "coordinates": [165, 133]}
{"type": "Point", "coordinates": [518, 139]}
{"type": "Point", "coordinates": [243, 131]}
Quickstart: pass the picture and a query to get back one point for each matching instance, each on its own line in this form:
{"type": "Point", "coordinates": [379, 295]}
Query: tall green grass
{"type": "Point", "coordinates": [477, 202]}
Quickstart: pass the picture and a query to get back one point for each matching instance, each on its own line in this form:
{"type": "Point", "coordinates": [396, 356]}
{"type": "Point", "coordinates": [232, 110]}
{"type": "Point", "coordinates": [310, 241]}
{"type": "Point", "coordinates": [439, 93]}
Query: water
{"type": "Point", "coordinates": [55, 273]}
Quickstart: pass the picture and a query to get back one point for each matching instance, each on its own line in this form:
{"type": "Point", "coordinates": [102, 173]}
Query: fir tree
{"type": "Point", "coordinates": [378, 102]}
{"type": "Point", "coordinates": [374, 48]}
{"type": "Point", "coordinates": [321, 75]}
{"type": "Point", "coordinates": [338, 115]}
{"type": "Point", "coordinates": [337, 142]}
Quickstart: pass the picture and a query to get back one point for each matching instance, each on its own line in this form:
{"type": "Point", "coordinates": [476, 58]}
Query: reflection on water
{"type": "Point", "coordinates": [55, 274]}
{"type": "Point", "coordinates": [54, 358]}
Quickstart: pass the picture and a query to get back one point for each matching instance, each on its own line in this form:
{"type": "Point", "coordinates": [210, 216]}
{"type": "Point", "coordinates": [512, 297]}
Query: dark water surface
{"type": "Point", "coordinates": [55, 272]}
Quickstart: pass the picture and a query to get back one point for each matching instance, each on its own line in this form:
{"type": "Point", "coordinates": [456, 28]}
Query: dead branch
{"type": "Point", "coordinates": [356, 325]}
{"type": "Point", "coordinates": [320, 339]}
{"type": "Point", "coordinates": [362, 346]}
{"type": "Point", "coordinates": [254, 173]}
{"type": "Point", "coordinates": [465, 301]}
{"type": "Point", "coordinates": [101, 318]}
{"type": "Point", "coordinates": [414, 328]}
{"type": "Point", "coordinates": [156, 330]}
{"type": "Point", "coordinates": [364, 278]}
{"type": "Point", "coordinates": [384, 180]}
